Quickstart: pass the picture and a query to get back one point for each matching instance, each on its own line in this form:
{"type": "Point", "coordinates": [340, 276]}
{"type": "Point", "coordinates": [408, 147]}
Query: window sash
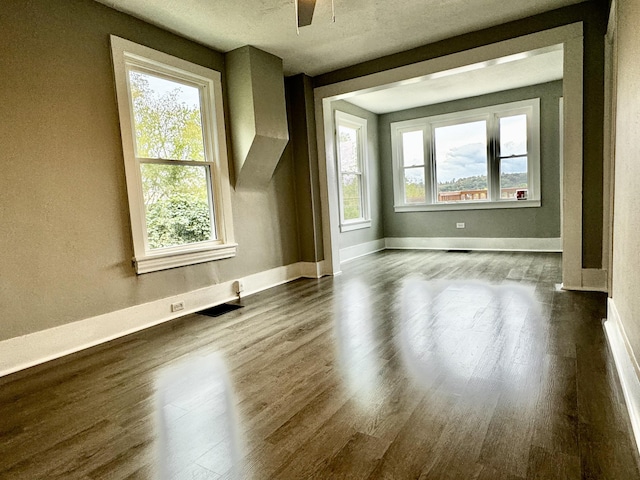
{"type": "Point", "coordinates": [463, 120]}
{"type": "Point", "coordinates": [428, 174]}
{"type": "Point", "coordinates": [211, 207]}
{"type": "Point", "coordinates": [136, 65]}
{"type": "Point", "coordinates": [132, 66]}
{"type": "Point", "coordinates": [358, 151]}
{"type": "Point", "coordinates": [359, 179]}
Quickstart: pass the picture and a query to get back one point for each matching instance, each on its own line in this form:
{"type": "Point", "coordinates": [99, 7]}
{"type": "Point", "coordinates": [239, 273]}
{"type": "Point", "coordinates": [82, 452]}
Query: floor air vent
{"type": "Point", "coordinates": [220, 309]}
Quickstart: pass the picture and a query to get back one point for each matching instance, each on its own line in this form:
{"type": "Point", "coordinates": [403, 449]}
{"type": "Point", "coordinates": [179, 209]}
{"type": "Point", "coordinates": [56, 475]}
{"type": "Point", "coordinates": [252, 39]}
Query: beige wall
{"type": "Point", "coordinates": [65, 246]}
{"type": "Point", "coordinates": [626, 233]}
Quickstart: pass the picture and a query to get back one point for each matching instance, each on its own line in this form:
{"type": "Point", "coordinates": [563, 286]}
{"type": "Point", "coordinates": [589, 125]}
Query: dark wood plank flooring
{"type": "Point", "coordinates": [409, 365]}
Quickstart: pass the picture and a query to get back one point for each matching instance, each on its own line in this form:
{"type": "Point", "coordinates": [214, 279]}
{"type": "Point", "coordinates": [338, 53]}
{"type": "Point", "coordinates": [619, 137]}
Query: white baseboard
{"type": "Point", "coordinates": [626, 365]}
{"type": "Point", "coordinates": [591, 280]}
{"type": "Point", "coordinates": [470, 243]}
{"type": "Point", "coordinates": [594, 279]}
{"type": "Point", "coordinates": [28, 350]}
{"type": "Point", "coordinates": [355, 251]}
{"type": "Point", "coordinates": [311, 269]}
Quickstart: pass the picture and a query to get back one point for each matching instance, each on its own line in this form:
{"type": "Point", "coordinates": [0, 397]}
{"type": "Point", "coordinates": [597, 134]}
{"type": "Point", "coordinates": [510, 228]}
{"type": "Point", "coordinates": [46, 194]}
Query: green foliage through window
{"type": "Point", "coordinates": [351, 197]}
{"type": "Point", "coordinates": [168, 126]}
{"type": "Point", "coordinates": [167, 118]}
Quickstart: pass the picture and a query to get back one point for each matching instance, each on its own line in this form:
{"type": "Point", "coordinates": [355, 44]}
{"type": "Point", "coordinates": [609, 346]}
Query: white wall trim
{"type": "Point", "coordinates": [311, 269]}
{"type": "Point", "coordinates": [591, 280]}
{"type": "Point", "coordinates": [362, 249]}
{"type": "Point", "coordinates": [626, 365]}
{"type": "Point", "coordinates": [610, 113]}
{"type": "Point", "coordinates": [470, 243]}
{"type": "Point", "coordinates": [35, 348]}
{"type": "Point", "coordinates": [594, 280]}
{"type": "Point", "coordinates": [572, 162]}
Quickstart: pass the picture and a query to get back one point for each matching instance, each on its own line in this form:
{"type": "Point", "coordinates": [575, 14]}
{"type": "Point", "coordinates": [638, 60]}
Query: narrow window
{"type": "Point", "coordinates": [513, 157]}
{"type": "Point", "coordinates": [351, 141]}
{"type": "Point", "coordinates": [413, 166]}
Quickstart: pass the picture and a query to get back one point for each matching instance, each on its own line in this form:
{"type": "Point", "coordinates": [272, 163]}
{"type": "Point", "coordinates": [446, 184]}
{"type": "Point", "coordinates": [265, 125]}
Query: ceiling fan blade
{"type": "Point", "coordinates": [305, 11]}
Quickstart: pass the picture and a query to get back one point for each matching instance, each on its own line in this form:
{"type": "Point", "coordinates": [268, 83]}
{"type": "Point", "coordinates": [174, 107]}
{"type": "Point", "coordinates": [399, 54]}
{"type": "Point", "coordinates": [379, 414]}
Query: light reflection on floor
{"type": "Point", "coordinates": [448, 327]}
{"type": "Point", "coordinates": [197, 425]}
{"type": "Point", "coordinates": [355, 334]}
{"type": "Point", "coordinates": [444, 333]}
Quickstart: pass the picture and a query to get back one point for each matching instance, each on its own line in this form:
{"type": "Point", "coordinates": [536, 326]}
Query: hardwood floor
{"type": "Point", "coordinates": [409, 365]}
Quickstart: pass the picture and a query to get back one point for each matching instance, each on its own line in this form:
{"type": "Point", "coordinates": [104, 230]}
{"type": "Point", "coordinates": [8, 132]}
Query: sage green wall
{"type": "Point", "coordinates": [375, 232]}
{"type": "Point", "coordinates": [626, 246]}
{"type": "Point", "coordinates": [593, 15]}
{"type": "Point", "coordinates": [542, 222]}
{"type": "Point", "coordinates": [257, 113]}
{"type": "Point", "coordinates": [65, 242]}
{"type": "Point", "coordinates": [303, 145]}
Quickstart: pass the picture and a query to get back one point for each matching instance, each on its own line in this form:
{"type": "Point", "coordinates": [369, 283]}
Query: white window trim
{"type": "Point", "coordinates": [126, 53]}
{"type": "Point", "coordinates": [529, 107]}
{"type": "Point", "coordinates": [360, 125]}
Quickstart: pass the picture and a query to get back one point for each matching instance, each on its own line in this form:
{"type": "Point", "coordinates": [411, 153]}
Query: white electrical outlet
{"type": "Point", "coordinates": [239, 286]}
{"type": "Point", "coordinates": [460, 225]}
{"type": "Point", "coordinates": [176, 307]}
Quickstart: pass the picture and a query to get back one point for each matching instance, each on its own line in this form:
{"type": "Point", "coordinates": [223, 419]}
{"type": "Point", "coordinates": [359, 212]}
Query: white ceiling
{"type": "Point", "coordinates": [528, 68]}
{"type": "Point", "coordinates": [364, 29]}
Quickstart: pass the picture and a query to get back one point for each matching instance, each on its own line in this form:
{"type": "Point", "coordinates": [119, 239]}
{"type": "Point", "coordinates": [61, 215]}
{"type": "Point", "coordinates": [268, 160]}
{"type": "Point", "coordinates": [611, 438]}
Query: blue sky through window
{"type": "Point", "coordinates": [461, 151]}
{"type": "Point", "coordinates": [160, 86]}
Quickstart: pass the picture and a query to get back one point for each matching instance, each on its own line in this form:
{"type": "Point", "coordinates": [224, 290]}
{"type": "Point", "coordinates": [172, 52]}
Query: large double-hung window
{"type": "Point", "coordinates": [481, 158]}
{"type": "Point", "coordinates": [174, 149]}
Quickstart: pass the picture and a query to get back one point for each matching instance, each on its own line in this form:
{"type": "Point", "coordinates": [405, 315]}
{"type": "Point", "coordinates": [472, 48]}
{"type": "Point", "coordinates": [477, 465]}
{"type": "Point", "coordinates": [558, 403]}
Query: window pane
{"type": "Point", "coordinates": [513, 135]}
{"type": "Point", "coordinates": [513, 177]}
{"type": "Point", "coordinates": [461, 162]}
{"type": "Point", "coordinates": [351, 198]}
{"type": "Point", "coordinates": [413, 148]}
{"type": "Point", "coordinates": [414, 191]}
{"type": "Point", "coordinates": [176, 201]}
{"type": "Point", "coordinates": [166, 117]}
{"type": "Point", "coordinates": [348, 139]}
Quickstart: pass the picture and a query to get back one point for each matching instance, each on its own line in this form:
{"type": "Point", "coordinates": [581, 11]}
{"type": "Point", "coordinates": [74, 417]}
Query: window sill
{"type": "Point", "coordinates": [467, 206]}
{"type": "Point", "coordinates": [182, 258]}
{"type": "Point", "coordinates": [348, 227]}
